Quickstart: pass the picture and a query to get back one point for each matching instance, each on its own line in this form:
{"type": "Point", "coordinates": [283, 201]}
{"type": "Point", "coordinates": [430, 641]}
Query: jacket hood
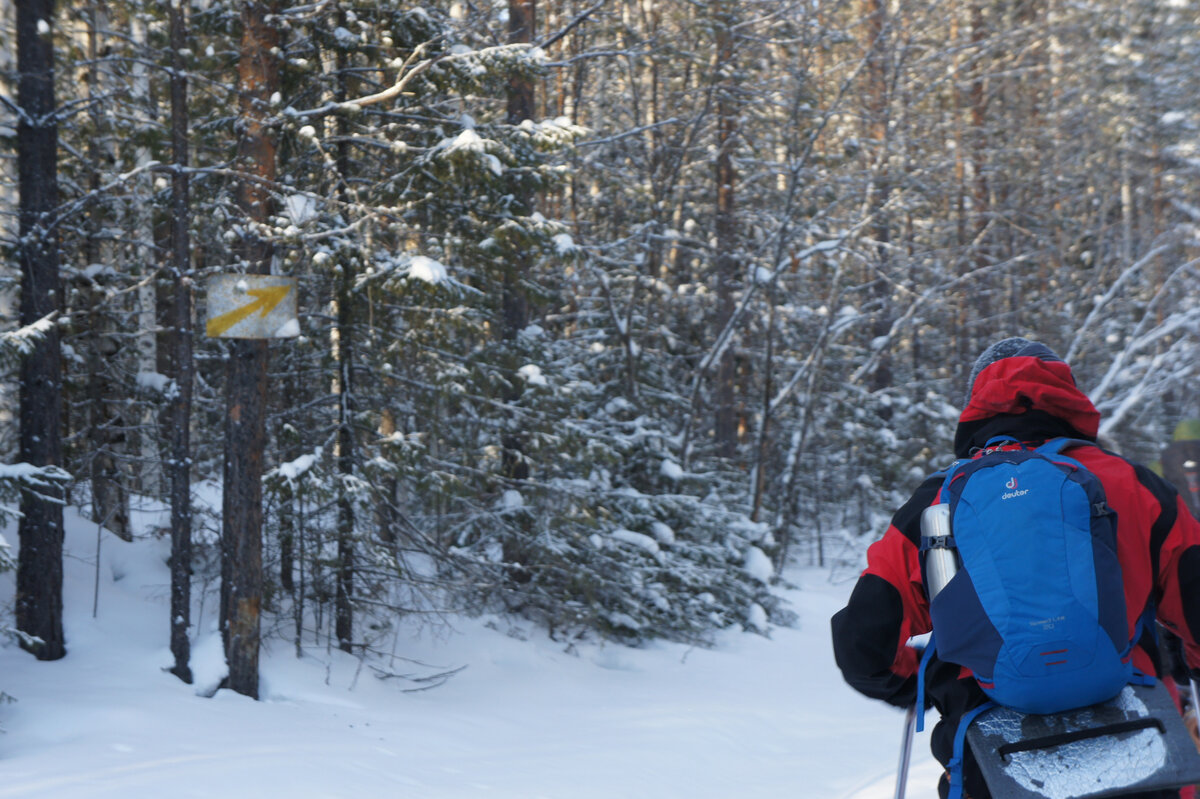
{"type": "Point", "coordinates": [1022, 389]}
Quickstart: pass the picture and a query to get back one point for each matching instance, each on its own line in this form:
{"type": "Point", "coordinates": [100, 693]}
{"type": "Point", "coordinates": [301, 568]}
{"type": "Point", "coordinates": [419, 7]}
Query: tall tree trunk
{"type": "Point", "coordinates": [39, 568]}
{"type": "Point", "coordinates": [245, 432]}
{"type": "Point", "coordinates": [875, 121]}
{"type": "Point", "coordinates": [1125, 152]}
{"type": "Point", "coordinates": [1127, 199]}
{"type": "Point", "coordinates": [106, 424]}
{"type": "Point", "coordinates": [764, 425]}
{"type": "Point", "coordinates": [290, 494]}
{"type": "Point", "coordinates": [981, 306]}
{"type": "Point", "coordinates": [343, 354]}
{"type": "Point", "coordinates": [514, 304]}
{"type": "Point", "coordinates": [725, 227]}
{"type": "Point", "coordinates": [343, 357]}
{"type": "Point", "coordinates": [179, 465]}
{"type": "Point", "coordinates": [1057, 142]}
{"type": "Point", "coordinates": [149, 476]}
{"type": "Point", "coordinates": [522, 22]}
{"type": "Point", "coordinates": [961, 345]}
{"type": "Point", "coordinates": [386, 518]}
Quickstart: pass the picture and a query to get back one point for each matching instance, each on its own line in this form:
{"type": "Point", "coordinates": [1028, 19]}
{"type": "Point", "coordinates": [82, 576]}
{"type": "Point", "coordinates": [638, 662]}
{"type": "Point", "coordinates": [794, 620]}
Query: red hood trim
{"type": "Point", "coordinates": [1023, 383]}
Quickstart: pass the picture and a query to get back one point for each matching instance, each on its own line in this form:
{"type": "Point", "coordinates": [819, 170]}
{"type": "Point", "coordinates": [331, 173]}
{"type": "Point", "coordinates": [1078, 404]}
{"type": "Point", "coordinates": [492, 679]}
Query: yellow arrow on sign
{"type": "Point", "coordinates": [265, 299]}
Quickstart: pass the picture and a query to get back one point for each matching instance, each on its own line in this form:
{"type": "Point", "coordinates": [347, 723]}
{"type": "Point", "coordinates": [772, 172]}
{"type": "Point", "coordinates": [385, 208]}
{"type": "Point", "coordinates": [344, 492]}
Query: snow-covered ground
{"type": "Point", "coordinates": [751, 717]}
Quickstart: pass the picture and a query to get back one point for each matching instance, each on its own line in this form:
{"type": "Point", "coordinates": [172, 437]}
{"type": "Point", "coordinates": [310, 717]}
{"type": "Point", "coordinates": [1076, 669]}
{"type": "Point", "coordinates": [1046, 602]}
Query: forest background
{"type": "Point", "coordinates": [607, 309]}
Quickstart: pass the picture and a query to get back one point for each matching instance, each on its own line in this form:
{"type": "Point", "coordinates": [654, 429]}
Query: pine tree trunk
{"type": "Point", "coordinates": [39, 568]}
{"type": "Point", "coordinates": [764, 425]}
{"type": "Point", "coordinates": [106, 423]}
{"type": "Point", "coordinates": [522, 21]}
{"type": "Point", "coordinates": [289, 499]}
{"type": "Point", "coordinates": [148, 476]}
{"type": "Point", "coordinates": [179, 466]}
{"type": "Point", "coordinates": [344, 388]}
{"type": "Point", "coordinates": [980, 306]}
{"type": "Point", "coordinates": [961, 341]}
{"type": "Point", "coordinates": [1057, 143]}
{"type": "Point", "coordinates": [725, 227]}
{"type": "Point", "coordinates": [876, 128]}
{"type": "Point", "coordinates": [386, 520]}
{"type": "Point", "coordinates": [245, 432]}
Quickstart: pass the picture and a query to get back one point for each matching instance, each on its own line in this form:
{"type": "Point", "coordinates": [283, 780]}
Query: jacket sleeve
{"type": "Point", "coordinates": [1178, 583]}
{"type": "Point", "coordinates": [887, 607]}
{"type": "Point", "coordinates": [1153, 521]}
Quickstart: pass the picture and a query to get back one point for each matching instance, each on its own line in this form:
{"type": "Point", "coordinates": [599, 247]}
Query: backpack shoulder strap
{"type": "Point", "coordinates": [1053, 448]}
{"type": "Point", "coordinates": [1056, 445]}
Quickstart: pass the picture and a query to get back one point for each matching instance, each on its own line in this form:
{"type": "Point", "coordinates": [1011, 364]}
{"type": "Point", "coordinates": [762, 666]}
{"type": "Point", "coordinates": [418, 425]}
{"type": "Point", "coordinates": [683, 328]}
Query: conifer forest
{"type": "Point", "coordinates": [605, 310]}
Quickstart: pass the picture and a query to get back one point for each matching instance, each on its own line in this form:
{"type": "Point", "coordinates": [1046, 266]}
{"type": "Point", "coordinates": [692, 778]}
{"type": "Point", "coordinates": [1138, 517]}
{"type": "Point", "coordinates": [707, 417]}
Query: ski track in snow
{"type": "Point", "coordinates": [750, 718]}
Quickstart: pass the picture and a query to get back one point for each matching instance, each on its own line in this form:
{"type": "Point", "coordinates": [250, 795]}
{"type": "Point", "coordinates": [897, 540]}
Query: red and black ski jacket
{"type": "Point", "coordinates": [1032, 399]}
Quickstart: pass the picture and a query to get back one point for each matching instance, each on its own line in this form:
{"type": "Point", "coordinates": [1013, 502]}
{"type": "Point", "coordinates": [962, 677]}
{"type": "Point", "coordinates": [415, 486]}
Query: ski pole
{"type": "Point", "coordinates": [910, 727]}
{"type": "Point", "coordinates": [1195, 703]}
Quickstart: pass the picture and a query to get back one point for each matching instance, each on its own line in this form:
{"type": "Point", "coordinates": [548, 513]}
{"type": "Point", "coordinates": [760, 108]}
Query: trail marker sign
{"type": "Point", "coordinates": [252, 306]}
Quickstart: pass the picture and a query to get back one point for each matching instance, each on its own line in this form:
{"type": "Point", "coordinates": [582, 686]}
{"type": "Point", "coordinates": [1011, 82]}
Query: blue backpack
{"type": "Point", "coordinates": [1036, 609]}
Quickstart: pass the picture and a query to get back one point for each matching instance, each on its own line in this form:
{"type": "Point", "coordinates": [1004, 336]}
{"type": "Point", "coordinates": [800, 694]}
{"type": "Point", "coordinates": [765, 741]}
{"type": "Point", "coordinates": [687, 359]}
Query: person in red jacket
{"type": "Point", "coordinates": [1017, 388]}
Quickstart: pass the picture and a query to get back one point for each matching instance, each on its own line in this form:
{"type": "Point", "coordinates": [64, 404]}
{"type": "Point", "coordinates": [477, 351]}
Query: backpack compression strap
{"type": "Point", "coordinates": [955, 766]}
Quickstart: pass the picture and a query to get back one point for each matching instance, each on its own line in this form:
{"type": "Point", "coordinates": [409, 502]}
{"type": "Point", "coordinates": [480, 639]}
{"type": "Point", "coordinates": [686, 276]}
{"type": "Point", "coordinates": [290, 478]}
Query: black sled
{"type": "Point", "coordinates": [1132, 743]}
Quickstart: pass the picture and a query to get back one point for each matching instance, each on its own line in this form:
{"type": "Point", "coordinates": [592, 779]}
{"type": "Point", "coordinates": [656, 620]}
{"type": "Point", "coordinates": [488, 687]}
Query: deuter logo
{"type": "Point", "coordinates": [1012, 491]}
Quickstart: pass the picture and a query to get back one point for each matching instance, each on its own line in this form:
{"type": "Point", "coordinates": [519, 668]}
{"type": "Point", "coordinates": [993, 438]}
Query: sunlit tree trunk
{"type": "Point", "coordinates": [245, 437]}
{"type": "Point", "coordinates": [979, 143]}
{"type": "Point", "coordinates": [107, 425]}
{"type": "Point", "coordinates": [961, 341]}
{"type": "Point", "coordinates": [725, 228]}
{"type": "Point", "coordinates": [875, 122]}
{"type": "Point", "coordinates": [148, 475]}
{"type": "Point", "coordinates": [1054, 111]}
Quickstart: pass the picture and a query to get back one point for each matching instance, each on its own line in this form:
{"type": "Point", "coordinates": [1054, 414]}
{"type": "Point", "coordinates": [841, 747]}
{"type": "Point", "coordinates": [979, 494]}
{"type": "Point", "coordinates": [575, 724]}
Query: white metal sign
{"type": "Point", "coordinates": [252, 306]}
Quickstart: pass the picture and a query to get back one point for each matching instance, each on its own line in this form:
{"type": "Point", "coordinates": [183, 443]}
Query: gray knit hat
{"type": "Point", "coordinates": [1006, 348]}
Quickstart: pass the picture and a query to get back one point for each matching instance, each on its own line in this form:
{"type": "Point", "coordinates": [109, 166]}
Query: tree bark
{"type": "Point", "coordinates": [148, 474]}
{"type": "Point", "coordinates": [343, 354]}
{"type": "Point", "coordinates": [39, 567]}
{"type": "Point", "coordinates": [106, 420]}
{"type": "Point", "coordinates": [522, 22]}
{"type": "Point", "coordinates": [875, 121]}
{"type": "Point", "coordinates": [725, 227]}
{"type": "Point", "coordinates": [245, 432]}
{"type": "Point", "coordinates": [961, 340]}
{"type": "Point", "coordinates": [980, 306]}
{"type": "Point", "coordinates": [522, 19]}
{"type": "Point", "coordinates": [179, 466]}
